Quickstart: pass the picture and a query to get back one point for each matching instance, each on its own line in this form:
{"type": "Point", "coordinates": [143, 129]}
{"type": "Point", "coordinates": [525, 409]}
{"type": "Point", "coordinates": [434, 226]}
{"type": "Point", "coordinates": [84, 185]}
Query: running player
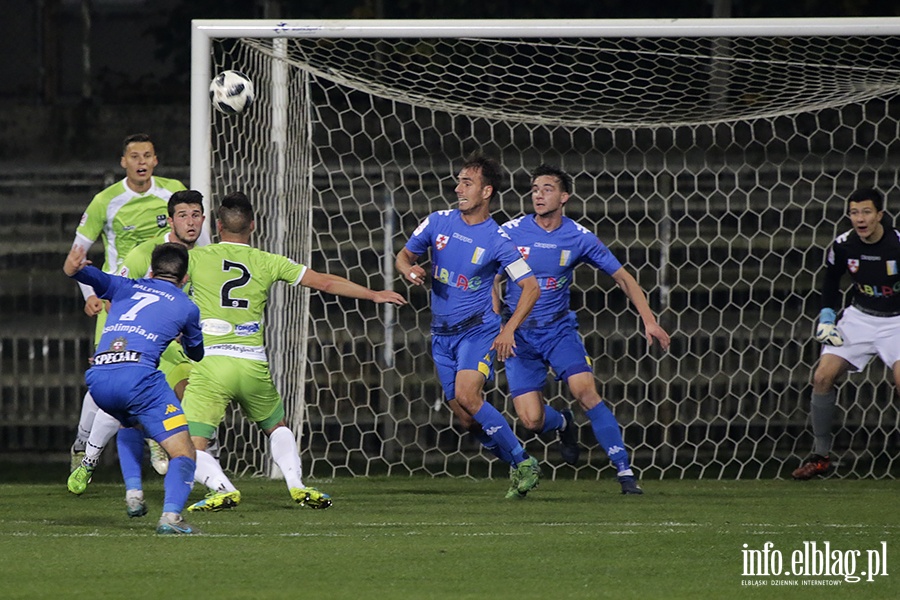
{"type": "Point", "coordinates": [468, 248]}
{"type": "Point", "coordinates": [553, 246]}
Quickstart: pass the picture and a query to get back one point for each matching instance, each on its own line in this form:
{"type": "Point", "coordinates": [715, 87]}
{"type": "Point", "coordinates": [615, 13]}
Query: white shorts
{"type": "Point", "coordinates": [865, 336]}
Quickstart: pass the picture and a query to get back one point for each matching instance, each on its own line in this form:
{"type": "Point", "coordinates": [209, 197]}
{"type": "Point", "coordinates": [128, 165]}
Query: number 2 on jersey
{"type": "Point", "coordinates": [232, 284]}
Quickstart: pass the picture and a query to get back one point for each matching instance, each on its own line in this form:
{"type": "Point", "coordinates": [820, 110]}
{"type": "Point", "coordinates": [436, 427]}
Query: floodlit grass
{"type": "Point", "coordinates": [445, 538]}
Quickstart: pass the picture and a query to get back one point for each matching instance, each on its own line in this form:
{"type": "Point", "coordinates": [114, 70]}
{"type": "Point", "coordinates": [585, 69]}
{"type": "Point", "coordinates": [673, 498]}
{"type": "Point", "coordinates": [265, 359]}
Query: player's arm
{"type": "Point", "coordinates": [826, 330]}
{"type": "Point", "coordinates": [89, 229]}
{"type": "Point", "coordinates": [652, 330]}
{"type": "Point", "coordinates": [78, 267]}
{"type": "Point", "coordinates": [334, 284]}
{"type": "Point", "coordinates": [92, 304]}
{"type": "Point", "coordinates": [531, 291]}
{"type": "Point", "coordinates": [497, 294]}
{"type": "Point", "coordinates": [192, 336]}
{"type": "Point", "coordinates": [406, 265]}
{"type": "Point", "coordinates": [520, 272]}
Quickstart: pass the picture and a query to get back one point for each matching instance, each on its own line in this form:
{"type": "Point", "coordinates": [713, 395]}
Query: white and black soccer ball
{"type": "Point", "coordinates": [231, 92]}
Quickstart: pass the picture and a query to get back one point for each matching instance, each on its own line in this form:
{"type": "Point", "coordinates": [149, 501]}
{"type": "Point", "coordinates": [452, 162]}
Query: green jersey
{"type": "Point", "coordinates": [230, 283]}
{"type": "Point", "coordinates": [137, 264]}
{"type": "Point", "coordinates": [126, 218]}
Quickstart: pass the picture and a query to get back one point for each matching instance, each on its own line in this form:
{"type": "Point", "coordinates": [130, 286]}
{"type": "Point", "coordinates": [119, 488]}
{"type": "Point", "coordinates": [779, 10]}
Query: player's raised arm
{"type": "Point", "coordinates": [339, 286]}
{"type": "Point", "coordinates": [75, 261]}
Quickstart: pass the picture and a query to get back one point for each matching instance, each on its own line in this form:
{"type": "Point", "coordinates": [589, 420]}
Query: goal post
{"type": "Point", "coordinates": [712, 156]}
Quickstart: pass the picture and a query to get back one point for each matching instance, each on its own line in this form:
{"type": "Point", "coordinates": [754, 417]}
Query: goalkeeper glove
{"type": "Point", "coordinates": [827, 332]}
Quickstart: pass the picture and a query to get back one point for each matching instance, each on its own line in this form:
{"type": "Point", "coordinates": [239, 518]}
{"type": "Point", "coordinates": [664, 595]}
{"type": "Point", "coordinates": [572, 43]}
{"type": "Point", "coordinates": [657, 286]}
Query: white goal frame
{"type": "Point", "coordinates": [204, 32]}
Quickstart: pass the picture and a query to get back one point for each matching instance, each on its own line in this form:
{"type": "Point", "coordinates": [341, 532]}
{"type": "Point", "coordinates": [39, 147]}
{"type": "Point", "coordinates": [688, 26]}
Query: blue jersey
{"type": "Point", "coordinates": [145, 315]}
{"type": "Point", "coordinates": [465, 259]}
{"type": "Point", "coordinates": [552, 256]}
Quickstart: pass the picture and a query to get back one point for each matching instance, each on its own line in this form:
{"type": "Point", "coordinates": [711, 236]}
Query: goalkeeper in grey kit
{"type": "Point", "coordinates": [870, 254]}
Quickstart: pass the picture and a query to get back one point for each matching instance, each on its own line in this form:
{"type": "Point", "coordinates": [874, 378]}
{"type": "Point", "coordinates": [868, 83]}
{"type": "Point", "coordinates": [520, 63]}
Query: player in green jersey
{"type": "Point", "coordinates": [230, 283]}
{"type": "Point", "coordinates": [185, 218]}
{"type": "Point", "coordinates": [123, 215]}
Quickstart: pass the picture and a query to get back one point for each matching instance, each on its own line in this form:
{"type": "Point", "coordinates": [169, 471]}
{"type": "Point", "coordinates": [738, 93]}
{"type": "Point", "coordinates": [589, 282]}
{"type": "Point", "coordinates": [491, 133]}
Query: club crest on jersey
{"type": "Point", "coordinates": [441, 242]}
{"type": "Point", "coordinates": [853, 264]}
{"type": "Point", "coordinates": [161, 221]}
{"type": "Point", "coordinates": [564, 257]}
{"type": "Point", "coordinates": [118, 344]}
{"type": "Point", "coordinates": [892, 267]}
{"type": "Point", "coordinates": [525, 251]}
{"type": "Point", "coordinates": [478, 256]}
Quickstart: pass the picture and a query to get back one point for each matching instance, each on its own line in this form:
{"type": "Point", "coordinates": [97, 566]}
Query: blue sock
{"type": "Point", "coordinates": [178, 483]}
{"type": "Point", "coordinates": [130, 444]}
{"type": "Point", "coordinates": [498, 430]}
{"type": "Point", "coordinates": [553, 420]}
{"type": "Point", "coordinates": [491, 446]}
{"type": "Point", "coordinates": [607, 432]}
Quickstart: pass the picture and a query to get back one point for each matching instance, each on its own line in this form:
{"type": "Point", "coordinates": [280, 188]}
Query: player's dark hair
{"type": "Point", "coordinates": [491, 173]}
{"type": "Point", "coordinates": [236, 213]}
{"type": "Point", "coordinates": [134, 138]}
{"type": "Point", "coordinates": [185, 197]}
{"type": "Point", "coordinates": [863, 194]}
{"type": "Point", "coordinates": [169, 261]}
{"type": "Point", "coordinates": [565, 180]}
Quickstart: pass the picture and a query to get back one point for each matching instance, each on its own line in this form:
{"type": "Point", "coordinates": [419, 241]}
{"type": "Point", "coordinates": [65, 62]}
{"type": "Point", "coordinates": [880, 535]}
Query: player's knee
{"type": "Point", "coordinates": [822, 381]}
{"type": "Point", "coordinates": [532, 423]}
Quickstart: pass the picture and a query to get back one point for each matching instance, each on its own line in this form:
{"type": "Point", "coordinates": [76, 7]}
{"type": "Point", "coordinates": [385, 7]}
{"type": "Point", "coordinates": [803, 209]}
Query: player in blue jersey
{"type": "Point", "coordinates": [553, 245]}
{"type": "Point", "coordinates": [145, 315]}
{"type": "Point", "coordinates": [468, 249]}
{"type": "Point", "coordinates": [185, 218]}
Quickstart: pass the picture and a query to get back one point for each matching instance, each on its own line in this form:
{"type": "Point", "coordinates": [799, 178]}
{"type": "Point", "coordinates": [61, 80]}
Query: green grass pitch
{"type": "Point", "coordinates": [421, 538]}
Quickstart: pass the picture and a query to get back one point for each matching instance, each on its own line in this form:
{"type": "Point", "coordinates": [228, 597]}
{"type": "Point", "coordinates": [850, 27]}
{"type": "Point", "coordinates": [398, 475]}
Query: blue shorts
{"type": "Point", "coordinates": [558, 345]}
{"type": "Point", "coordinates": [138, 395]}
{"type": "Point", "coordinates": [468, 350]}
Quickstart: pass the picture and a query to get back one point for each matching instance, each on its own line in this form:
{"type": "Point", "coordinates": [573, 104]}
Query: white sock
{"type": "Point", "coordinates": [287, 456]}
{"type": "Point", "coordinates": [86, 421]}
{"type": "Point", "coordinates": [210, 473]}
{"type": "Point", "coordinates": [104, 428]}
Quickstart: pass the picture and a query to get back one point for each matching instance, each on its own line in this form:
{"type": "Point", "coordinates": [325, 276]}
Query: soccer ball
{"type": "Point", "coordinates": [231, 92]}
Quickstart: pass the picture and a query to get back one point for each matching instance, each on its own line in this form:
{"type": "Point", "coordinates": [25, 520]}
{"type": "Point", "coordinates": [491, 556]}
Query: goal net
{"type": "Point", "coordinates": [713, 158]}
